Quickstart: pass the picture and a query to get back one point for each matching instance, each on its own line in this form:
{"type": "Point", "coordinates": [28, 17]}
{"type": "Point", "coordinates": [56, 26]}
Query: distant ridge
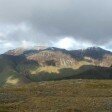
{"type": "Point", "coordinates": [42, 63]}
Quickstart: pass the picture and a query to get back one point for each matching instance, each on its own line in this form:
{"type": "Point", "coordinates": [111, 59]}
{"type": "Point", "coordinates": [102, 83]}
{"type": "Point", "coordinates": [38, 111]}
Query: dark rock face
{"type": "Point", "coordinates": [93, 52]}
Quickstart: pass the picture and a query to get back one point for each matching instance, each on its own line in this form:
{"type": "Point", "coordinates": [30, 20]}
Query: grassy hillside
{"type": "Point", "coordinates": [58, 96]}
{"type": "Point", "coordinates": [17, 70]}
{"type": "Point", "coordinates": [21, 66]}
{"type": "Point", "coordinates": [9, 75]}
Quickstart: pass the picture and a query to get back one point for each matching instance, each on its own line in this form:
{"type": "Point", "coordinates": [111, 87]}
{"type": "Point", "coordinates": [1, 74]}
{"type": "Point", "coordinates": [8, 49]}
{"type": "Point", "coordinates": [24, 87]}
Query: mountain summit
{"type": "Point", "coordinates": [21, 66]}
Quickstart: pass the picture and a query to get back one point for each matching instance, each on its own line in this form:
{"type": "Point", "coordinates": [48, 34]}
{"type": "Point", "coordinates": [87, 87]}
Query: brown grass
{"type": "Point", "coordinates": [58, 96]}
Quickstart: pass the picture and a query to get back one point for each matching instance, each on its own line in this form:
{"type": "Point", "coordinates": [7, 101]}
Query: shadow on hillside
{"type": "Point", "coordinates": [22, 66]}
{"type": "Point", "coordinates": [84, 72]}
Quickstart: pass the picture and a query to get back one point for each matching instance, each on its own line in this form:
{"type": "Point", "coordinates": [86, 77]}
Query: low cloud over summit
{"type": "Point", "coordinates": [69, 24]}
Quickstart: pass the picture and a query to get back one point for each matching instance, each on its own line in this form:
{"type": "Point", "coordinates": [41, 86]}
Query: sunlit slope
{"type": "Point", "coordinates": [21, 66]}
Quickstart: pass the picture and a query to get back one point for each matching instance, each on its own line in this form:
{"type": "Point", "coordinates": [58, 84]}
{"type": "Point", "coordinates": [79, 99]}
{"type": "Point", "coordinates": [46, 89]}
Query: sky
{"type": "Point", "coordinates": [69, 24]}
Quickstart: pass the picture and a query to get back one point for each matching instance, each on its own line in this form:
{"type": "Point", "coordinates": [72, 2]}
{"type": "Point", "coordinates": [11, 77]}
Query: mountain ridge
{"type": "Point", "coordinates": [51, 63]}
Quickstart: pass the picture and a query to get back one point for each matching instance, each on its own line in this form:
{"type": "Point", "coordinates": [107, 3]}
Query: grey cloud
{"type": "Point", "coordinates": [87, 20]}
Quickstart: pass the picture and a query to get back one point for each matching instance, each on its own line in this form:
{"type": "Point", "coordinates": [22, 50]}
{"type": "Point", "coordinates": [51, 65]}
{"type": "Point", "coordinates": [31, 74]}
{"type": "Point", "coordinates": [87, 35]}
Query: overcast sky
{"type": "Point", "coordinates": [70, 24]}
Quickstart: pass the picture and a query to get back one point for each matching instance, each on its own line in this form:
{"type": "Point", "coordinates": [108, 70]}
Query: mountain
{"type": "Point", "coordinates": [21, 66]}
{"type": "Point", "coordinates": [92, 52]}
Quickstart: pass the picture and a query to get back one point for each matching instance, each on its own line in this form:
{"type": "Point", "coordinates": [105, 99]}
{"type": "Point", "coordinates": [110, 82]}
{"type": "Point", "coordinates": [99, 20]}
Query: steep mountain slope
{"type": "Point", "coordinates": [92, 52]}
{"type": "Point", "coordinates": [8, 74]}
{"type": "Point", "coordinates": [95, 55]}
{"type": "Point", "coordinates": [21, 66]}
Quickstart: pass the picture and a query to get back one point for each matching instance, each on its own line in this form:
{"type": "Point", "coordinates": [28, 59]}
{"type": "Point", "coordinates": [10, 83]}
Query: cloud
{"type": "Point", "coordinates": [70, 43]}
{"type": "Point", "coordinates": [27, 44]}
{"type": "Point", "coordinates": [41, 22]}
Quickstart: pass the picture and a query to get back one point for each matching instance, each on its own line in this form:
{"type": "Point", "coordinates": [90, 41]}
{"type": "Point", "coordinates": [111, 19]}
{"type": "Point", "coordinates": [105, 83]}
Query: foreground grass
{"type": "Point", "coordinates": [58, 96]}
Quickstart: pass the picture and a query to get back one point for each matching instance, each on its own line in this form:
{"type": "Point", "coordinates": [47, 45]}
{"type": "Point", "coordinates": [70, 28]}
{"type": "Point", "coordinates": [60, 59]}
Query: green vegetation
{"type": "Point", "coordinates": [58, 96]}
